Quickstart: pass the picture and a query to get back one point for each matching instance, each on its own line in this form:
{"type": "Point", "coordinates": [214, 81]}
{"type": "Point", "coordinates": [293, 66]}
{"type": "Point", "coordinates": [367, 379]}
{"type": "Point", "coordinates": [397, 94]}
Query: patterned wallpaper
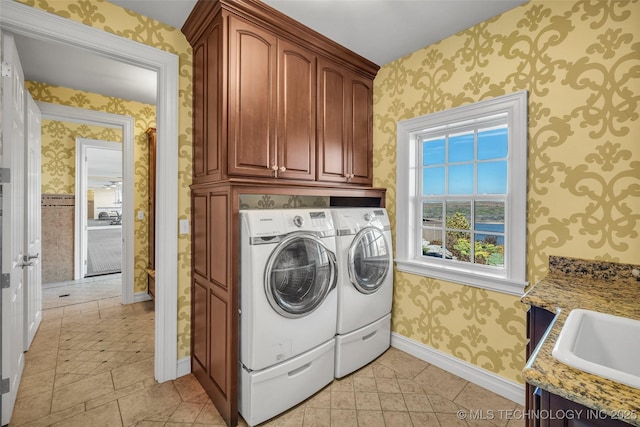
{"type": "Point", "coordinates": [59, 153]}
{"type": "Point", "coordinates": [114, 19]}
{"type": "Point", "coordinates": [274, 201]}
{"type": "Point", "coordinates": [580, 62]}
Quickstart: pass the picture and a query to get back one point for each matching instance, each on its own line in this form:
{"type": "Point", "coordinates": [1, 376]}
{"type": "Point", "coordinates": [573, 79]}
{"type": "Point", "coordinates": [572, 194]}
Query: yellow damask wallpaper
{"type": "Point", "coordinates": [274, 201]}
{"type": "Point", "coordinates": [580, 62]}
{"type": "Point", "coordinates": [59, 153]}
{"type": "Point", "coordinates": [114, 19]}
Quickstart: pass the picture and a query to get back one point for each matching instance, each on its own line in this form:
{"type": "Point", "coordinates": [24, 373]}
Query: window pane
{"type": "Point", "coordinates": [458, 215]}
{"type": "Point", "coordinates": [432, 214]}
{"type": "Point", "coordinates": [489, 216]}
{"type": "Point", "coordinates": [492, 143]}
{"type": "Point", "coordinates": [433, 181]}
{"type": "Point", "coordinates": [432, 243]}
{"type": "Point", "coordinates": [458, 218]}
{"type": "Point", "coordinates": [489, 250]}
{"type": "Point", "coordinates": [433, 152]}
{"type": "Point", "coordinates": [492, 178]}
{"type": "Point", "coordinates": [461, 179]}
{"type": "Point", "coordinates": [461, 147]}
{"type": "Point", "coordinates": [489, 246]}
{"type": "Point", "coordinates": [459, 244]}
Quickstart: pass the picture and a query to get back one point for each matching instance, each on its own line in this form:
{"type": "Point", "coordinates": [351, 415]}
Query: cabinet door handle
{"type": "Point", "coordinates": [282, 169]}
{"type": "Point", "coordinates": [274, 168]}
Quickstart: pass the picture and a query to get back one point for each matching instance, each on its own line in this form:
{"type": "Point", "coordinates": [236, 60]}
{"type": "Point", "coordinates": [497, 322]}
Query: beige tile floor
{"type": "Point", "coordinates": [80, 291]}
{"type": "Point", "coordinates": [91, 364]}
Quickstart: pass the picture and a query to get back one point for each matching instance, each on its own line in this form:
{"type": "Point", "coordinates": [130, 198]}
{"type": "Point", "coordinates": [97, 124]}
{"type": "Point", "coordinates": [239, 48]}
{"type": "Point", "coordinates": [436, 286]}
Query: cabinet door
{"type": "Point", "coordinates": [557, 411]}
{"type": "Point", "coordinates": [360, 140]}
{"type": "Point", "coordinates": [332, 122]}
{"type": "Point", "coordinates": [296, 143]}
{"type": "Point", "coordinates": [538, 321]}
{"type": "Point", "coordinates": [252, 100]}
{"type": "Point", "coordinates": [207, 111]}
{"type": "Point", "coordinates": [345, 125]}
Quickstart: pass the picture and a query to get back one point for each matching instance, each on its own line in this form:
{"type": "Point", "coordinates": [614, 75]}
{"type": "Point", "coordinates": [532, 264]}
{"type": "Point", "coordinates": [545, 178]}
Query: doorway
{"type": "Point", "coordinates": [31, 22]}
{"type": "Point", "coordinates": [100, 201]}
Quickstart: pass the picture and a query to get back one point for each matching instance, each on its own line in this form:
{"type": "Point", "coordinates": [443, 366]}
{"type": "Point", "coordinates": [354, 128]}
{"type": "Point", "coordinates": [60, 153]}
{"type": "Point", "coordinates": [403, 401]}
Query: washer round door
{"type": "Point", "coordinates": [369, 260]}
{"type": "Point", "coordinates": [299, 275]}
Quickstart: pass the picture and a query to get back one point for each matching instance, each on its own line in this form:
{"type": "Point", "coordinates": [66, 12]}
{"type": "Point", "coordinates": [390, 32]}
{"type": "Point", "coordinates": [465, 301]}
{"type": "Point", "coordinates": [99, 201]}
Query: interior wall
{"type": "Point", "coordinates": [117, 20]}
{"type": "Point", "coordinates": [576, 60]}
{"type": "Point", "coordinates": [59, 155]}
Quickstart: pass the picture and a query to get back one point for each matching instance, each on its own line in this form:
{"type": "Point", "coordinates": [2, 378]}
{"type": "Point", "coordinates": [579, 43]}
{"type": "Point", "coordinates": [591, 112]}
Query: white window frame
{"type": "Point", "coordinates": [512, 278]}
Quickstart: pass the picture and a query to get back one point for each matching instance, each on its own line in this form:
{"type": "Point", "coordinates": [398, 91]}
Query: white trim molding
{"type": "Point", "coordinates": [35, 23]}
{"type": "Point", "coordinates": [184, 366]}
{"type": "Point", "coordinates": [409, 253]}
{"type": "Point", "coordinates": [472, 373]}
{"type": "Point", "coordinates": [141, 296]}
{"type": "Point", "coordinates": [81, 234]}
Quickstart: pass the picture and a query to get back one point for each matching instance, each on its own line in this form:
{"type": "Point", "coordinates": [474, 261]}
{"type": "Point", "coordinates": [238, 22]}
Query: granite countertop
{"type": "Point", "coordinates": [593, 285]}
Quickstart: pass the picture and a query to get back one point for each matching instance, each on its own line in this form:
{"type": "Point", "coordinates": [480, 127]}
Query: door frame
{"type": "Point", "coordinates": [35, 23]}
{"type": "Point", "coordinates": [80, 223]}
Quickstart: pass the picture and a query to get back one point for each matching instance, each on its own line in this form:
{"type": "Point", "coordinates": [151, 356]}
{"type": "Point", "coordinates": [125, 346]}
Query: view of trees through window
{"type": "Point", "coordinates": [458, 231]}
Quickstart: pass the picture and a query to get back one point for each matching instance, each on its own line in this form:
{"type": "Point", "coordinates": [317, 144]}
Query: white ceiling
{"type": "Point", "coordinates": [379, 30]}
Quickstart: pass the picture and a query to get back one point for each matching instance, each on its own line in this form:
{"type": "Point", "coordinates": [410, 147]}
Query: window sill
{"type": "Point", "coordinates": [464, 277]}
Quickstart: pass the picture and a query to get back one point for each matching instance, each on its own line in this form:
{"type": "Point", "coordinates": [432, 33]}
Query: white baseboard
{"type": "Point", "coordinates": [472, 373]}
{"type": "Point", "coordinates": [184, 367]}
{"type": "Point", "coordinates": [141, 296]}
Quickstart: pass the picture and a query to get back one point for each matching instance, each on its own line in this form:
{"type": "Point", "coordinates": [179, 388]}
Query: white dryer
{"type": "Point", "coordinates": [288, 308]}
{"type": "Point", "coordinates": [365, 286]}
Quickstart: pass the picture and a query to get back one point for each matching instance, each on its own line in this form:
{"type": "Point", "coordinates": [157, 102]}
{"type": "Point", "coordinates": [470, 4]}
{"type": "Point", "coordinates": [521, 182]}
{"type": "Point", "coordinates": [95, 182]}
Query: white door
{"type": "Point", "coordinates": [12, 223]}
{"type": "Point", "coordinates": [33, 213]}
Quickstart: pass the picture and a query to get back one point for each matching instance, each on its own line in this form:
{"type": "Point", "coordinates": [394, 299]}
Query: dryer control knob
{"type": "Point", "coordinates": [298, 221]}
{"type": "Point", "coordinates": [369, 216]}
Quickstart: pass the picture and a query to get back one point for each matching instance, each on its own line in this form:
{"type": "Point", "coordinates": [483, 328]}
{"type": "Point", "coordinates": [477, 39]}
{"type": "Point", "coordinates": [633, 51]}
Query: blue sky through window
{"type": "Point", "coordinates": [468, 163]}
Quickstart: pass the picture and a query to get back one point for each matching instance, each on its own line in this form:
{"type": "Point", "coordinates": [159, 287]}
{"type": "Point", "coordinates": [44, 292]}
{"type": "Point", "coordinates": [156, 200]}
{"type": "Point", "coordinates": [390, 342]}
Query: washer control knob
{"type": "Point", "coordinates": [369, 216]}
{"type": "Point", "coordinates": [298, 221]}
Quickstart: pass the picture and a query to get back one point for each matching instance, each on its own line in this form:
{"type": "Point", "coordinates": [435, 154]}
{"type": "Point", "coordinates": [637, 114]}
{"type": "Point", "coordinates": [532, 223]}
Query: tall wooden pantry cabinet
{"type": "Point", "coordinates": [278, 109]}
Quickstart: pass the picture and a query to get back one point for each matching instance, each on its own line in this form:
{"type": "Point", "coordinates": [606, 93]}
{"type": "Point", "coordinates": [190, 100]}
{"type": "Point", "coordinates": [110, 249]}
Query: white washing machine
{"type": "Point", "coordinates": [288, 308]}
{"type": "Point", "coordinates": [365, 286]}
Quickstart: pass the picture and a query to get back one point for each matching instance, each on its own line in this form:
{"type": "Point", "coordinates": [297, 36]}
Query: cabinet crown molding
{"type": "Point", "coordinates": [282, 25]}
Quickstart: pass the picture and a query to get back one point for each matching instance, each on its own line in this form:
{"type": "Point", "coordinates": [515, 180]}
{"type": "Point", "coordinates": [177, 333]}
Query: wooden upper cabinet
{"type": "Point", "coordinates": [274, 100]}
{"type": "Point", "coordinates": [296, 142]}
{"type": "Point", "coordinates": [272, 90]}
{"type": "Point", "coordinates": [252, 100]}
{"type": "Point", "coordinates": [332, 122]}
{"type": "Point", "coordinates": [208, 147]}
{"type": "Point", "coordinates": [360, 139]}
{"type": "Point", "coordinates": [345, 120]}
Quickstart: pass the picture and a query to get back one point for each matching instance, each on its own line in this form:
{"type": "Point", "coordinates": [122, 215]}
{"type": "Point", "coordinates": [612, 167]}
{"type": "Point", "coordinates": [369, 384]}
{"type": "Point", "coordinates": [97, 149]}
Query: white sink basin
{"type": "Point", "coordinates": [601, 344]}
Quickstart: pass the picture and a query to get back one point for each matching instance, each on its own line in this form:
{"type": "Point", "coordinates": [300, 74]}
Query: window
{"type": "Point", "coordinates": [461, 194]}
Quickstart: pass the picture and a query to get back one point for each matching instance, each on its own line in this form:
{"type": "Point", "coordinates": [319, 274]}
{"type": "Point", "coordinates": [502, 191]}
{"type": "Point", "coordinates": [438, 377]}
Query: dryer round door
{"type": "Point", "coordinates": [299, 275]}
{"type": "Point", "coordinates": [369, 260]}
